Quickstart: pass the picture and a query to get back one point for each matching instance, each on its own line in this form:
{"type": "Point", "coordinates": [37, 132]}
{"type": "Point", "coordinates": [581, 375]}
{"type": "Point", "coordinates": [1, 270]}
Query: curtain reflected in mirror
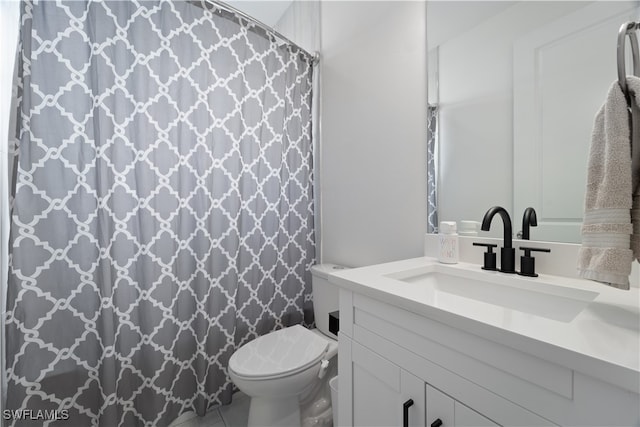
{"type": "Point", "coordinates": [432, 166]}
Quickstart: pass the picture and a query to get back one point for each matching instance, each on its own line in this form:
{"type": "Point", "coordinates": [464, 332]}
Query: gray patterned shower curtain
{"type": "Point", "coordinates": [163, 208]}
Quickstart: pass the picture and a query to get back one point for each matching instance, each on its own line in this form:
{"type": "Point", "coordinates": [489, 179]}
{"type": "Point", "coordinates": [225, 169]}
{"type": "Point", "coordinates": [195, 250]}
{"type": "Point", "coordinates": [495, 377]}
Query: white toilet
{"type": "Point", "coordinates": [289, 367]}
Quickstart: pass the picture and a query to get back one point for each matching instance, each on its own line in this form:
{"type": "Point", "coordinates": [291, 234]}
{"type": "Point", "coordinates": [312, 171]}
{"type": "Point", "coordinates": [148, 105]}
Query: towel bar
{"type": "Point", "coordinates": [627, 29]}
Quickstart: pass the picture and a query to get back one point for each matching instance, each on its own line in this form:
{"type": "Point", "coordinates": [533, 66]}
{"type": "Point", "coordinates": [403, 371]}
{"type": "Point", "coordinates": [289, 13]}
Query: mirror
{"type": "Point", "coordinates": [515, 86]}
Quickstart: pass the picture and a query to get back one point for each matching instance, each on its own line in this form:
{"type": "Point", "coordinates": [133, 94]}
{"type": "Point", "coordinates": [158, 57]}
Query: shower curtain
{"type": "Point", "coordinates": [162, 212]}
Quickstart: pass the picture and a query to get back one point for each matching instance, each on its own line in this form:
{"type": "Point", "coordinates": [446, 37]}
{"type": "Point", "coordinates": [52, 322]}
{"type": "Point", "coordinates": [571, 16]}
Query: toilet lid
{"type": "Point", "coordinates": [278, 353]}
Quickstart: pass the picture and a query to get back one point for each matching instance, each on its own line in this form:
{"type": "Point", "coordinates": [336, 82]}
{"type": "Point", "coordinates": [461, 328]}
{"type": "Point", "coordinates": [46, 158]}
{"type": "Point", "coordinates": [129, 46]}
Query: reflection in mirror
{"type": "Point", "coordinates": [514, 87]}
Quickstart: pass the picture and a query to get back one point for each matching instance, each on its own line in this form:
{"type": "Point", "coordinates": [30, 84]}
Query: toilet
{"type": "Point", "coordinates": [286, 372]}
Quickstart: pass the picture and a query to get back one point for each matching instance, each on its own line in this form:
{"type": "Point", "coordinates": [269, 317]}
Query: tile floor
{"type": "Point", "coordinates": [234, 415]}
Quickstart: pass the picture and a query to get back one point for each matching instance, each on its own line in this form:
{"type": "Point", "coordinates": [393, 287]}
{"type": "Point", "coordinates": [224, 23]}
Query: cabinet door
{"type": "Point", "coordinates": [467, 417]}
{"type": "Point", "coordinates": [381, 390]}
{"type": "Point", "coordinates": [439, 407]}
{"type": "Point", "coordinates": [444, 411]}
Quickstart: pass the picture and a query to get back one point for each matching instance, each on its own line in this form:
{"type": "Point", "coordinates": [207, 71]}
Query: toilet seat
{"type": "Point", "coordinates": [278, 354]}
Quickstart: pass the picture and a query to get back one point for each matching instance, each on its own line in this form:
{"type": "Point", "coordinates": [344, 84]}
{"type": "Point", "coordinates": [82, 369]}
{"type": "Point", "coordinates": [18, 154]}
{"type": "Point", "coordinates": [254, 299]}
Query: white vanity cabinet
{"type": "Point", "coordinates": [389, 355]}
{"type": "Point", "coordinates": [383, 394]}
{"type": "Point", "coordinates": [382, 390]}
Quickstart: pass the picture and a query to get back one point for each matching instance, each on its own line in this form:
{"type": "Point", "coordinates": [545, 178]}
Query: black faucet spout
{"type": "Point", "coordinates": [529, 219]}
{"type": "Point", "coordinates": [507, 252]}
{"type": "Point", "coordinates": [506, 222]}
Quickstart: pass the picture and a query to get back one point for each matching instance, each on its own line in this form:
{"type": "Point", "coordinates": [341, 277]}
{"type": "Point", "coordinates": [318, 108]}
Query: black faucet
{"type": "Point", "coordinates": [528, 219]}
{"type": "Point", "coordinates": [507, 253]}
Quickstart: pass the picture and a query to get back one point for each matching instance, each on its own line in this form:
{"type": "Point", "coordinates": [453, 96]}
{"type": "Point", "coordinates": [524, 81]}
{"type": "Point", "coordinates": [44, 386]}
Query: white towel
{"type": "Point", "coordinates": [606, 254]}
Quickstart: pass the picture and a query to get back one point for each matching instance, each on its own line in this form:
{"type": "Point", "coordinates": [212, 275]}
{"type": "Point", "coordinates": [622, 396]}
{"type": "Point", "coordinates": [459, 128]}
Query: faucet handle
{"type": "Point", "coordinates": [528, 263]}
{"type": "Point", "coordinates": [489, 256]}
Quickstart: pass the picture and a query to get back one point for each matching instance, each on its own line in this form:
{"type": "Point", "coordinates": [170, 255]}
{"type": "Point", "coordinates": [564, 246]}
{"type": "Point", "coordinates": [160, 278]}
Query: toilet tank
{"type": "Point", "coordinates": [325, 295]}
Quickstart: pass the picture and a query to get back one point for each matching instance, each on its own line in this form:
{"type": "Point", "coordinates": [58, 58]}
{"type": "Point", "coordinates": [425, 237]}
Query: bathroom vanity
{"type": "Point", "coordinates": [427, 344]}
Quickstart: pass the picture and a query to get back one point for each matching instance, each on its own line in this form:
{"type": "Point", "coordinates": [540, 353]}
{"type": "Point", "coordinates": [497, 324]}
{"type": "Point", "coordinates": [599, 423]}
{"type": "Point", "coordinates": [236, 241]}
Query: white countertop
{"type": "Point", "coordinates": [601, 338]}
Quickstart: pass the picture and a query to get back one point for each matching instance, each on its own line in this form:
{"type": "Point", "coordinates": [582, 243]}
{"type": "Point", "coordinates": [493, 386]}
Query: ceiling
{"type": "Point", "coordinates": [467, 13]}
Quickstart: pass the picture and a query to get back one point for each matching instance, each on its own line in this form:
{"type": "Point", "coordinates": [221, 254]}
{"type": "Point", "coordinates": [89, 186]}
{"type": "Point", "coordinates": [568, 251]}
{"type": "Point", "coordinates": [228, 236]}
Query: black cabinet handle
{"type": "Point", "coordinates": [436, 423]}
{"type": "Point", "coordinates": [405, 412]}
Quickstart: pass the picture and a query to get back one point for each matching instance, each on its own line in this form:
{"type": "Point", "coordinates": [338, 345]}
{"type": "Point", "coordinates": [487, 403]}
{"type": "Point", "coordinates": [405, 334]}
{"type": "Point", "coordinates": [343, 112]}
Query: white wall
{"type": "Point", "coordinates": [373, 131]}
{"type": "Point", "coordinates": [300, 23]}
{"type": "Point", "coordinates": [268, 12]}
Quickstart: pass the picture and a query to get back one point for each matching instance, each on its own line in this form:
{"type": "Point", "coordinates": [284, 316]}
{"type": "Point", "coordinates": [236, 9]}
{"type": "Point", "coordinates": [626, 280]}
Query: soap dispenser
{"type": "Point", "coordinates": [448, 243]}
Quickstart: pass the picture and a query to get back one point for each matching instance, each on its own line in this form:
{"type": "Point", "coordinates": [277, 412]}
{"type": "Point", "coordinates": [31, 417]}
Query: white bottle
{"type": "Point", "coordinates": [448, 243]}
{"type": "Point", "coordinates": [469, 228]}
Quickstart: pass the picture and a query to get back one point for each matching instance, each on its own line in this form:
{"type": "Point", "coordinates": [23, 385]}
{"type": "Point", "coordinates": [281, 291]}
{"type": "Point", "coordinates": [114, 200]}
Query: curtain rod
{"type": "Point", "coordinates": [314, 57]}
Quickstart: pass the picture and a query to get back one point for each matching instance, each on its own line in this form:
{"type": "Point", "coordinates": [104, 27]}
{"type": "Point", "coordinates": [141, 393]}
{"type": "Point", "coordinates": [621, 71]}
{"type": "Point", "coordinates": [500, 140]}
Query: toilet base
{"type": "Point", "coordinates": [274, 412]}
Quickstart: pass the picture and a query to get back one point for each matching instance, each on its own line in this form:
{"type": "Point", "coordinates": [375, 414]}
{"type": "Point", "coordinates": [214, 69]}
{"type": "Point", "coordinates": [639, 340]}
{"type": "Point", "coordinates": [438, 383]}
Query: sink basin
{"type": "Point", "coordinates": [527, 295]}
